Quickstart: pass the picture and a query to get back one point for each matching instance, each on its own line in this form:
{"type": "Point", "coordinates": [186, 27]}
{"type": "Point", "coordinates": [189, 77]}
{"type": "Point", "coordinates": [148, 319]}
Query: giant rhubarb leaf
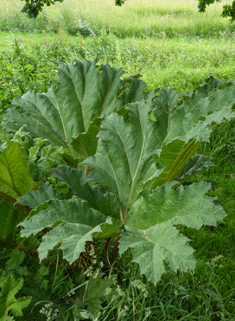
{"type": "Point", "coordinates": [185, 205]}
{"type": "Point", "coordinates": [188, 124]}
{"type": "Point", "coordinates": [69, 116]}
{"type": "Point", "coordinates": [125, 153]}
{"type": "Point", "coordinates": [149, 231]}
{"type": "Point", "coordinates": [105, 202]}
{"type": "Point", "coordinates": [74, 223]}
{"type": "Point", "coordinates": [154, 246]}
{"type": "Point", "coordinates": [194, 116]}
{"type": "Point", "coordinates": [174, 157]}
{"type": "Point", "coordinates": [79, 185]}
{"type": "Point", "coordinates": [41, 195]}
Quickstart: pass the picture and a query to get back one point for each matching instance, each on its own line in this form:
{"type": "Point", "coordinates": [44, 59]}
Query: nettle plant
{"type": "Point", "coordinates": [125, 154]}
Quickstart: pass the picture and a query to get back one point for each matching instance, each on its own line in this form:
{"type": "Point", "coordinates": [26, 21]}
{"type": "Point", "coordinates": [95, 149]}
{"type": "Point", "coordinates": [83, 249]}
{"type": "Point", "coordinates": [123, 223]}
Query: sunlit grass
{"type": "Point", "coordinates": [180, 63]}
{"type": "Point", "coordinates": [135, 18]}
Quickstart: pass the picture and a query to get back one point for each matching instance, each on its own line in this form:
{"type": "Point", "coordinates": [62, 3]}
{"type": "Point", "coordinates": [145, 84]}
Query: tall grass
{"type": "Point", "coordinates": [179, 63]}
{"type": "Point", "coordinates": [135, 18]}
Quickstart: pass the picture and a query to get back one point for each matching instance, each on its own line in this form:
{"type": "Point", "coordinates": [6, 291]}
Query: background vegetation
{"type": "Point", "coordinates": [170, 44]}
{"type": "Point", "coordinates": [175, 18]}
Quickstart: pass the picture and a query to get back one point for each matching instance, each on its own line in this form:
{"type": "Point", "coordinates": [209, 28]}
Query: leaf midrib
{"type": "Point", "coordinates": [137, 168]}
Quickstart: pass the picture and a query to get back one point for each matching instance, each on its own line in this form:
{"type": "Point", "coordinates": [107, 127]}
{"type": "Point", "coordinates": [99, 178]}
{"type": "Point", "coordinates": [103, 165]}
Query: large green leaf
{"type": "Point", "coordinates": [125, 152]}
{"type": "Point", "coordinates": [154, 246]}
{"type": "Point", "coordinates": [14, 180]}
{"type": "Point", "coordinates": [85, 144]}
{"type": "Point", "coordinates": [73, 224]}
{"type": "Point", "coordinates": [185, 205]}
{"type": "Point", "coordinates": [84, 93]}
{"type": "Point", "coordinates": [149, 231]}
{"type": "Point", "coordinates": [105, 202]}
{"type": "Point", "coordinates": [41, 195]}
{"type": "Point", "coordinates": [188, 123]}
{"type": "Point", "coordinates": [194, 116]}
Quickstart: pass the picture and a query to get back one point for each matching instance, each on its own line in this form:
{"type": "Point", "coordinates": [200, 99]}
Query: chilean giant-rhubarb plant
{"type": "Point", "coordinates": [128, 152]}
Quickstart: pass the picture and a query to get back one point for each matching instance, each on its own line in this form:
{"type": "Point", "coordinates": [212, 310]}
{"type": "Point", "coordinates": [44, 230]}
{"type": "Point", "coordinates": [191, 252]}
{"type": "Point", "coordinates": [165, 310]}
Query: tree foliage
{"type": "Point", "coordinates": [33, 7]}
{"type": "Point", "coordinates": [228, 10]}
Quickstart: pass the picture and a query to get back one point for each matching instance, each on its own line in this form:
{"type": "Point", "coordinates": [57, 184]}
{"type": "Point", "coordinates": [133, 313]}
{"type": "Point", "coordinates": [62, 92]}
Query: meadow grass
{"type": "Point", "coordinates": [171, 45]}
{"type": "Point", "coordinates": [180, 63]}
{"type": "Point", "coordinates": [135, 19]}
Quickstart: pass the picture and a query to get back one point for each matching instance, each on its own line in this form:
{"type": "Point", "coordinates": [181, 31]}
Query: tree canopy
{"type": "Point", "coordinates": [228, 10]}
{"type": "Point", "coordinates": [33, 7]}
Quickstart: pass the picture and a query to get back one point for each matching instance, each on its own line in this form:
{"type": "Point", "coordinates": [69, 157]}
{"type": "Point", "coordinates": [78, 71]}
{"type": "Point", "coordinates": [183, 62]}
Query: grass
{"type": "Point", "coordinates": [171, 45]}
{"type": "Point", "coordinates": [179, 63]}
{"type": "Point", "coordinates": [7, 39]}
{"type": "Point", "coordinates": [172, 17]}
